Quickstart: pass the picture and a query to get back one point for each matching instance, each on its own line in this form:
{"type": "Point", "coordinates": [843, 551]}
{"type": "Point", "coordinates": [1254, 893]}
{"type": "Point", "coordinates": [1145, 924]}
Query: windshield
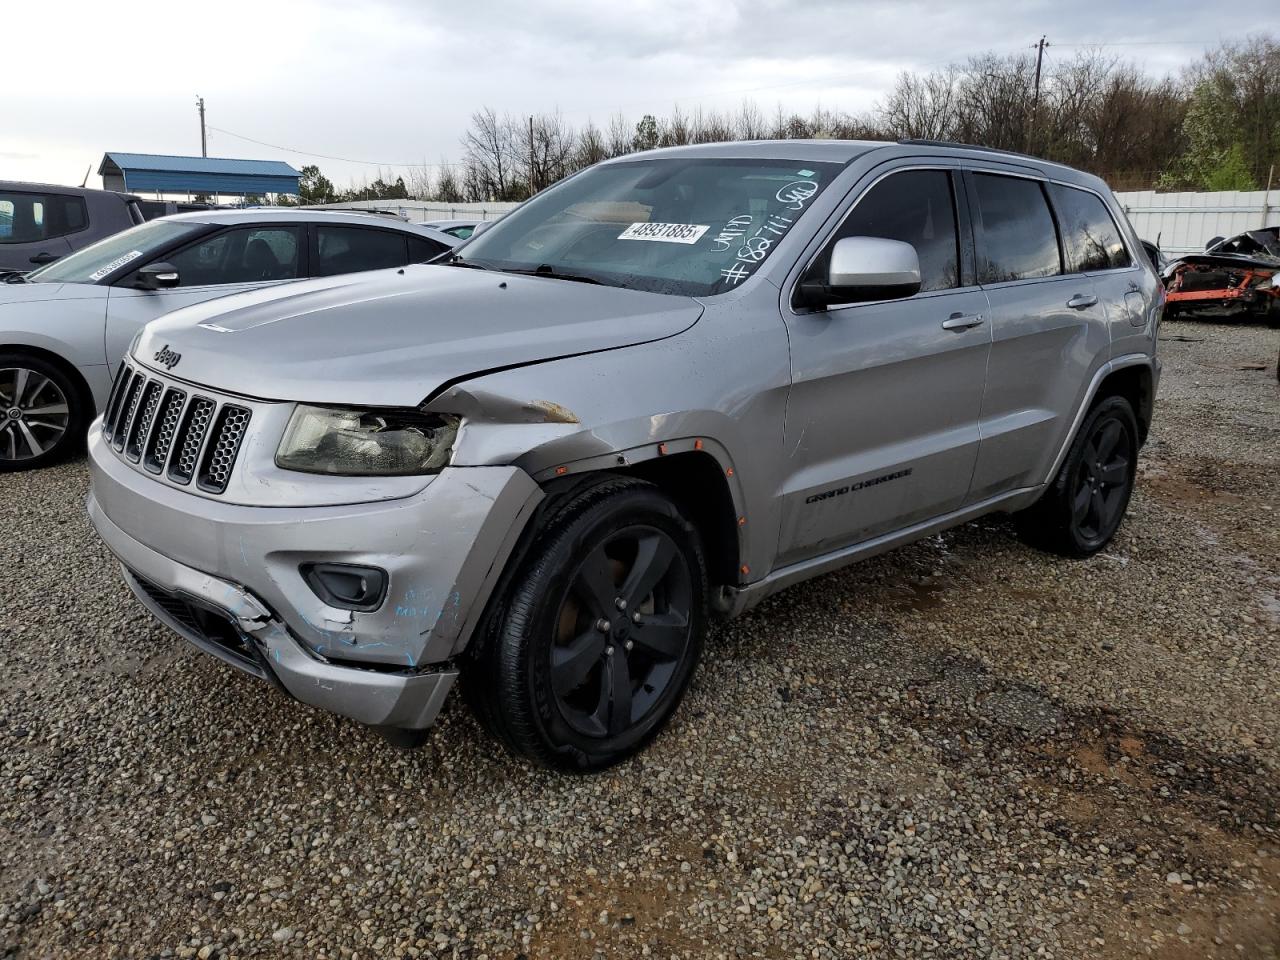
{"type": "Point", "coordinates": [672, 225]}
{"type": "Point", "coordinates": [103, 258]}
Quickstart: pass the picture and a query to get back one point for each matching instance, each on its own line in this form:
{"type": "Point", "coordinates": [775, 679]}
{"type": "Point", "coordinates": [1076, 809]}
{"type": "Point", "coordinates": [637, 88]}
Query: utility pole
{"type": "Point", "coordinates": [531, 156]}
{"type": "Point", "coordinates": [204, 148]}
{"type": "Point", "coordinates": [1035, 99]}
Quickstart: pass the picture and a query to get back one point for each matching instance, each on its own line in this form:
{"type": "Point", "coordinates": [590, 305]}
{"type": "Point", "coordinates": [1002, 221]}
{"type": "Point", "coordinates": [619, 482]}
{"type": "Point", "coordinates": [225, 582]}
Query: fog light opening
{"type": "Point", "coordinates": [347, 586]}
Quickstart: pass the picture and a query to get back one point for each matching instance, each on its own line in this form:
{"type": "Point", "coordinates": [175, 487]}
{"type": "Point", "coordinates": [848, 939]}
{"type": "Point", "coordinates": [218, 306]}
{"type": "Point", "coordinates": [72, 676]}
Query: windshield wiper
{"type": "Point", "coordinates": [457, 261]}
{"type": "Point", "coordinates": [546, 270]}
{"type": "Point", "coordinates": [15, 277]}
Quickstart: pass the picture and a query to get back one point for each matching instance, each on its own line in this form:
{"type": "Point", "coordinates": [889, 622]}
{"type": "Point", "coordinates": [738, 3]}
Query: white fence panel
{"type": "Point", "coordinates": [420, 211]}
{"type": "Point", "coordinates": [1185, 222]}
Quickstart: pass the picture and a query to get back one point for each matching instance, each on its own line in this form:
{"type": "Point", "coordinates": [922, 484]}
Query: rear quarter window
{"type": "Point", "coordinates": [1090, 237]}
{"type": "Point", "coordinates": [1017, 239]}
{"type": "Point", "coordinates": [33, 217]}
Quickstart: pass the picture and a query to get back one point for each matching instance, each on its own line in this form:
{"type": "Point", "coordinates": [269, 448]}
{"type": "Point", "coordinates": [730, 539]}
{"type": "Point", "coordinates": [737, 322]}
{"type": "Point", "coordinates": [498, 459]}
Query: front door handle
{"type": "Point", "coordinates": [43, 258]}
{"type": "Point", "coordinates": [1082, 300]}
{"type": "Point", "coordinates": [962, 321]}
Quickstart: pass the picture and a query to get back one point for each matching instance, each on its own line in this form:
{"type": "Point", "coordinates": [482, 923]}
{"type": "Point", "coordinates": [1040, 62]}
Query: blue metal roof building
{"type": "Point", "coordinates": [146, 173]}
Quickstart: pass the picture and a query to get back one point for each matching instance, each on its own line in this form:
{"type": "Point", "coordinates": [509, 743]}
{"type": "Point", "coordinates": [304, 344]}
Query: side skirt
{"type": "Point", "coordinates": [737, 600]}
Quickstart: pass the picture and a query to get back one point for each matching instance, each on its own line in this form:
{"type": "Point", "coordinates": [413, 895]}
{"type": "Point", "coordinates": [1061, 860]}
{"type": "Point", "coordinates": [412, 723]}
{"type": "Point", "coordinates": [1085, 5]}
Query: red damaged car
{"type": "Point", "coordinates": [1233, 277]}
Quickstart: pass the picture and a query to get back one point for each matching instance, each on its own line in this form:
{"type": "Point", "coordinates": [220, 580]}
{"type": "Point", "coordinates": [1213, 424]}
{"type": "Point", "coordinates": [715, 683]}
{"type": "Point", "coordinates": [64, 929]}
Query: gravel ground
{"type": "Point", "coordinates": [964, 748]}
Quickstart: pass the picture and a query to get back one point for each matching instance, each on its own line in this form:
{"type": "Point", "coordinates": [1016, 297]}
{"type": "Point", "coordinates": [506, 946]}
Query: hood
{"type": "Point", "coordinates": [392, 337]}
{"type": "Point", "coordinates": [33, 292]}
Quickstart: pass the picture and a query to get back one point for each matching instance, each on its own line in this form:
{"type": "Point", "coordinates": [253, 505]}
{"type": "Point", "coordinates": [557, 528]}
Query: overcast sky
{"type": "Point", "coordinates": [395, 81]}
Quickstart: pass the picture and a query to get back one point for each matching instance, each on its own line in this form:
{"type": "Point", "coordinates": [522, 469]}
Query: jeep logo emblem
{"type": "Point", "coordinates": [167, 357]}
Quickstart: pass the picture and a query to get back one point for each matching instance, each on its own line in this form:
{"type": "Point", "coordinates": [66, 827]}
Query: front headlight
{"type": "Point", "coordinates": [355, 443]}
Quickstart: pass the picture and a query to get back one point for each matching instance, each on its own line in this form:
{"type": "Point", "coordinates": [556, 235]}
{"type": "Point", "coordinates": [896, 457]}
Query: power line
{"type": "Point", "coordinates": [325, 156]}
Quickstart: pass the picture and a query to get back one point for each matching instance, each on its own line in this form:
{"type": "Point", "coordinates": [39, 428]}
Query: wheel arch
{"type": "Point", "coordinates": [699, 477]}
{"type": "Point", "coordinates": [63, 364]}
{"type": "Point", "coordinates": [1136, 384]}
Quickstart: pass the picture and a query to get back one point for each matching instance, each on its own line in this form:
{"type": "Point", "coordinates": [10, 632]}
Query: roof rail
{"type": "Point", "coordinates": [916, 142]}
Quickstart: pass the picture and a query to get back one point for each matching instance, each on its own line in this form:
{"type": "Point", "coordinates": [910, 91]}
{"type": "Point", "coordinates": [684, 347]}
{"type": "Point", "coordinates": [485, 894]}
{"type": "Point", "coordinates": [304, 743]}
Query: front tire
{"type": "Point", "coordinates": [43, 416]}
{"type": "Point", "coordinates": [590, 649]}
{"type": "Point", "coordinates": [1082, 509]}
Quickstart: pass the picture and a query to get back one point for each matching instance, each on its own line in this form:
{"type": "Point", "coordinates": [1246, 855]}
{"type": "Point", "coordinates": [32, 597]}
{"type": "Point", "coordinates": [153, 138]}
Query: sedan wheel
{"type": "Point", "coordinates": [35, 415]}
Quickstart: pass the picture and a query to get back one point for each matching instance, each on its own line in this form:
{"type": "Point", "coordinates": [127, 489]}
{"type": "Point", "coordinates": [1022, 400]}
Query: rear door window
{"type": "Point", "coordinates": [352, 249]}
{"type": "Point", "coordinates": [1016, 236]}
{"type": "Point", "coordinates": [33, 217]}
{"type": "Point", "coordinates": [916, 207]}
{"type": "Point", "coordinates": [422, 249]}
{"type": "Point", "coordinates": [1090, 237]}
{"type": "Point", "coordinates": [244, 255]}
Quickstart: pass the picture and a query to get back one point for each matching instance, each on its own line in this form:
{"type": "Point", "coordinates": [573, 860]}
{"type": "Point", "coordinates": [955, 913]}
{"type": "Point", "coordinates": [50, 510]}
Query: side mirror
{"type": "Point", "coordinates": [866, 268]}
{"type": "Point", "coordinates": [1214, 242]}
{"type": "Point", "coordinates": [482, 226]}
{"type": "Point", "coordinates": [157, 276]}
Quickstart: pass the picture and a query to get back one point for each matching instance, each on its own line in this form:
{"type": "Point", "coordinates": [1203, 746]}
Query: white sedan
{"type": "Point", "coordinates": [64, 327]}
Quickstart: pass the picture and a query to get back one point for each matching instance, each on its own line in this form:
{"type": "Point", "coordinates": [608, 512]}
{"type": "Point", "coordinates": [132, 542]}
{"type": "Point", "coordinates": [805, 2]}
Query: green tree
{"type": "Point", "coordinates": [1232, 125]}
{"type": "Point", "coordinates": [314, 186]}
{"type": "Point", "coordinates": [646, 137]}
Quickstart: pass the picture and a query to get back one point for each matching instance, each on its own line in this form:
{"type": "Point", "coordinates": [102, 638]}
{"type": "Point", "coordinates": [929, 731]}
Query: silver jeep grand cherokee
{"type": "Point", "coordinates": [661, 390]}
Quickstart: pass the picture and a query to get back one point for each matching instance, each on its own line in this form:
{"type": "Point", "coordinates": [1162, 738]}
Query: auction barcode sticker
{"type": "Point", "coordinates": [115, 264]}
{"type": "Point", "coordinates": [665, 232]}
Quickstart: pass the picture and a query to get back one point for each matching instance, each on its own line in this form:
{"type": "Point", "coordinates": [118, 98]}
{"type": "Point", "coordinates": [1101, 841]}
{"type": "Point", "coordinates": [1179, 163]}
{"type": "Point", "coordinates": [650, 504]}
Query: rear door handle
{"type": "Point", "coordinates": [1082, 300]}
{"type": "Point", "coordinates": [962, 321]}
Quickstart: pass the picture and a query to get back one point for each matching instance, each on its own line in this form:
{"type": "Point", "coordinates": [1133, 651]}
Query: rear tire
{"type": "Point", "coordinates": [589, 650]}
{"type": "Point", "coordinates": [1082, 509]}
{"type": "Point", "coordinates": [43, 413]}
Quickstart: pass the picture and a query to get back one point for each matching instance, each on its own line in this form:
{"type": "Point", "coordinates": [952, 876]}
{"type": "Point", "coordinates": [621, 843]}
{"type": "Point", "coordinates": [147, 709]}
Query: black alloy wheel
{"type": "Point", "coordinates": [596, 630]}
{"type": "Point", "coordinates": [623, 628]}
{"type": "Point", "coordinates": [1082, 508]}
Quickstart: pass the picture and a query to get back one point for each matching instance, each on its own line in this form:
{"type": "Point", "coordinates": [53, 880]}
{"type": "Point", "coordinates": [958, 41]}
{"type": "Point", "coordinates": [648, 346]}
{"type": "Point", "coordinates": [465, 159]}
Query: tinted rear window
{"type": "Point", "coordinates": [1017, 240]}
{"type": "Point", "coordinates": [353, 249]}
{"type": "Point", "coordinates": [1089, 235]}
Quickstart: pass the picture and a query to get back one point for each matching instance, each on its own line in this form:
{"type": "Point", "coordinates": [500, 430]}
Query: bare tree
{"type": "Point", "coordinates": [619, 139]}
{"type": "Point", "coordinates": [489, 147]}
{"type": "Point", "coordinates": [591, 147]}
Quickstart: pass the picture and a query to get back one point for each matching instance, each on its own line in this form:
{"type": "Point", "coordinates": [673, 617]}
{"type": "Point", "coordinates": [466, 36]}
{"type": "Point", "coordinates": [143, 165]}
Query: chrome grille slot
{"type": "Point", "coordinates": [180, 435]}
{"type": "Point", "coordinates": [220, 455]}
{"type": "Point", "coordinates": [141, 428]}
{"type": "Point", "coordinates": [128, 407]}
{"type": "Point", "coordinates": [123, 377]}
{"type": "Point", "coordinates": [190, 439]}
{"type": "Point", "coordinates": [161, 440]}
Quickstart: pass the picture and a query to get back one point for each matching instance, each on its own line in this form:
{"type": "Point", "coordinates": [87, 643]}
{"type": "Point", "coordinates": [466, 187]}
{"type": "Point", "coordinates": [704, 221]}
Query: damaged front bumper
{"type": "Point", "coordinates": [227, 578]}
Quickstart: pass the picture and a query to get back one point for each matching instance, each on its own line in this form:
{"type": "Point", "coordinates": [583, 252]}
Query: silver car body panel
{"type": "Point", "coordinates": [280, 343]}
{"type": "Point", "coordinates": [438, 572]}
{"type": "Point", "coordinates": [926, 427]}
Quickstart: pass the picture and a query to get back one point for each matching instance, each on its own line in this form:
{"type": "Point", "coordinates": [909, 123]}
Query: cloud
{"type": "Point", "coordinates": [395, 81]}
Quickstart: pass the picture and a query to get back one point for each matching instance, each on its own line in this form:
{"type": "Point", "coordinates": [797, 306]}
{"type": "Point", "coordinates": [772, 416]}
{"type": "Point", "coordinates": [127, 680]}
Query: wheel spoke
{"type": "Point", "coordinates": [52, 409]}
{"type": "Point", "coordinates": [1108, 438]}
{"type": "Point", "coordinates": [12, 435]}
{"type": "Point", "coordinates": [1080, 503]}
{"type": "Point", "coordinates": [1114, 473]}
{"type": "Point", "coordinates": [32, 442]}
{"type": "Point", "coordinates": [20, 385]}
{"type": "Point", "coordinates": [654, 554]}
{"type": "Point", "coordinates": [1098, 510]}
{"type": "Point", "coordinates": [595, 582]}
{"type": "Point", "coordinates": [570, 664]}
{"type": "Point", "coordinates": [619, 674]}
{"type": "Point", "coordinates": [663, 635]}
